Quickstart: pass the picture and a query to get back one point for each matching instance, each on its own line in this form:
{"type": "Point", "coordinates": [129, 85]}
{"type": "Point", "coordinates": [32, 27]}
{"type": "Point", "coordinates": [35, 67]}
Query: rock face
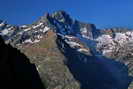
{"type": "Point", "coordinates": [50, 62]}
{"type": "Point", "coordinates": [70, 54]}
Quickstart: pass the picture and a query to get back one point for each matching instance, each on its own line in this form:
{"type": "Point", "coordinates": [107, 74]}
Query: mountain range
{"type": "Point", "coordinates": [70, 54]}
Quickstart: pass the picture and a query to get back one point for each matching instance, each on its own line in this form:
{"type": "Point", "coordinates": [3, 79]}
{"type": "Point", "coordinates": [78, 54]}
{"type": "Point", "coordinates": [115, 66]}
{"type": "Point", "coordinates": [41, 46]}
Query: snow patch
{"type": "Point", "coordinates": [106, 51]}
{"type": "Point", "coordinates": [45, 29]}
{"type": "Point", "coordinates": [84, 36]}
{"type": "Point", "coordinates": [82, 50]}
{"type": "Point", "coordinates": [2, 24]}
{"type": "Point", "coordinates": [28, 41]}
{"type": "Point", "coordinates": [120, 37]}
{"type": "Point", "coordinates": [83, 30]}
{"type": "Point", "coordinates": [38, 25]}
{"type": "Point", "coordinates": [24, 26]}
{"type": "Point", "coordinates": [39, 36]}
{"type": "Point", "coordinates": [5, 32]}
{"type": "Point", "coordinates": [36, 41]}
{"type": "Point", "coordinates": [27, 29]}
{"type": "Point", "coordinates": [104, 39]}
{"type": "Point", "coordinates": [69, 37]}
{"type": "Point", "coordinates": [72, 44]}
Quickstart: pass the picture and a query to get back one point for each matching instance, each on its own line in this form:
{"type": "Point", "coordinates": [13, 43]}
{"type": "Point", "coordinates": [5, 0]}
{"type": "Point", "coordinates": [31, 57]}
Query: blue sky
{"type": "Point", "coordinates": [103, 13]}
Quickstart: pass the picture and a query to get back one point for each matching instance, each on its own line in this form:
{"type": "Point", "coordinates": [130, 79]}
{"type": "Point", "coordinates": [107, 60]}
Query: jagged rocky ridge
{"type": "Point", "coordinates": [62, 48]}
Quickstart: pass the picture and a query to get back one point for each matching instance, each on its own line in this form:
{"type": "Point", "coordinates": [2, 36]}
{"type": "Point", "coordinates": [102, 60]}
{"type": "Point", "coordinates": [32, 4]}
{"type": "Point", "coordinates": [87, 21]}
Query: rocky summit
{"type": "Point", "coordinates": [70, 54]}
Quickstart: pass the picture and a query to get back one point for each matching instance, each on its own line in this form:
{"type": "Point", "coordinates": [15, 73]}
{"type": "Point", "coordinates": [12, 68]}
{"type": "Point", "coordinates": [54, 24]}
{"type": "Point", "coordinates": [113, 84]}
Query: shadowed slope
{"type": "Point", "coordinates": [16, 72]}
{"type": "Point", "coordinates": [93, 72]}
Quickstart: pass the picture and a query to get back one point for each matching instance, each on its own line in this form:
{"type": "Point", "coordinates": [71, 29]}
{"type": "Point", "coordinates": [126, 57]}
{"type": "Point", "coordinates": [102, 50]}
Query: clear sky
{"type": "Point", "coordinates": [103, 13]}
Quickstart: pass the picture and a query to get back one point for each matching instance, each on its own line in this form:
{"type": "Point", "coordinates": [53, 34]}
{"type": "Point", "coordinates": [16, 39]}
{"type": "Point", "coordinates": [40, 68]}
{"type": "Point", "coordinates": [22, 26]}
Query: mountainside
{"type": "Point", "coordinates": [16, 71]}
{"type": "Point", "coordinates": [70, 54]}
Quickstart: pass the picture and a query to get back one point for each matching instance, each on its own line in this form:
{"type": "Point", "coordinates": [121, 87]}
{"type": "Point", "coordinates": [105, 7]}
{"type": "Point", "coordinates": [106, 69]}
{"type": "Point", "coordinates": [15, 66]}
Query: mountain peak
{"type": "Point", "coordinates": [60, 12]}
{"type": "Point", "coordinates": [62, 16]}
